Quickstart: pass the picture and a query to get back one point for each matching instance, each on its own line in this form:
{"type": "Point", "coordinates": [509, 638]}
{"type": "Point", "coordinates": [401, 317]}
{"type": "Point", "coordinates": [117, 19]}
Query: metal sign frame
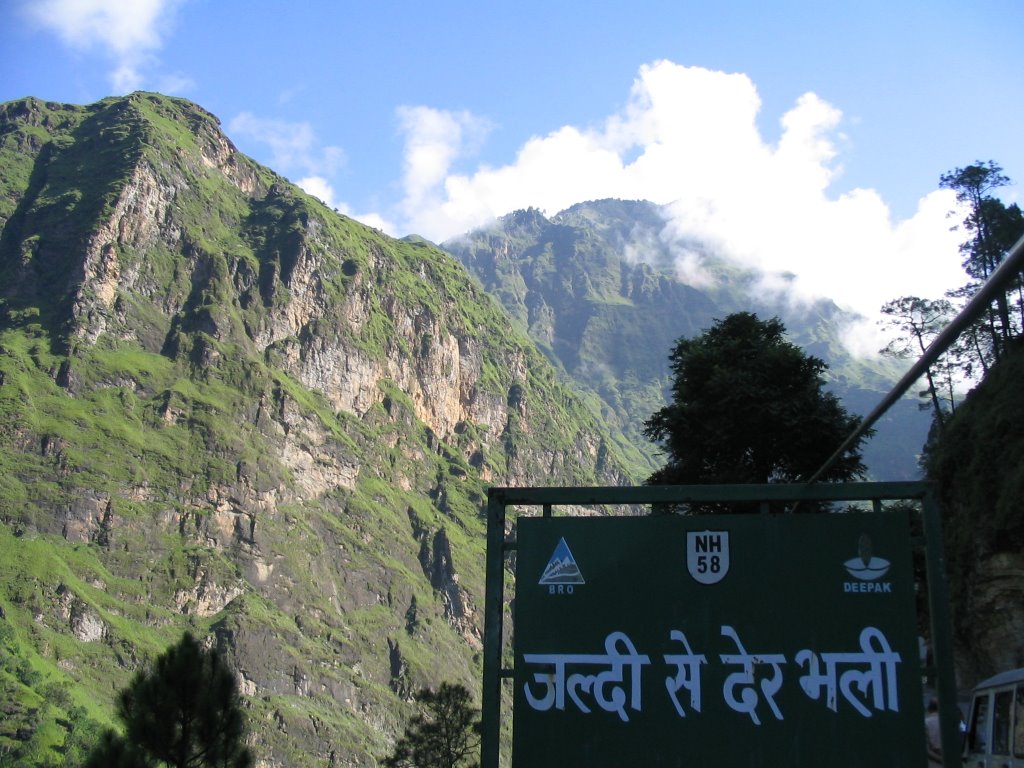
{"type": "Point", "coordinates": [498, 547]}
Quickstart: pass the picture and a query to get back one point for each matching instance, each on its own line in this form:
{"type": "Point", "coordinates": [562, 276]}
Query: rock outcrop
{"type": "Point", "coordinates": [230, 409]}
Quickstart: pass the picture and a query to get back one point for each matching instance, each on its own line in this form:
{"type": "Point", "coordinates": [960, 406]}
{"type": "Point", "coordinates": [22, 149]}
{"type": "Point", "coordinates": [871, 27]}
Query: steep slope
{"type": "Point", "coordinates": [977, 466]}
{"type": "Point", "coordinates": [226, 408]}
{"type": "Point", "coordinates": [604, 291]}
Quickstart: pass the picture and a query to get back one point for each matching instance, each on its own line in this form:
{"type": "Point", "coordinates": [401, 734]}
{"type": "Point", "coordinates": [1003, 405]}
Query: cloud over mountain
{"type": "Point", "coordinates": [688, 137]}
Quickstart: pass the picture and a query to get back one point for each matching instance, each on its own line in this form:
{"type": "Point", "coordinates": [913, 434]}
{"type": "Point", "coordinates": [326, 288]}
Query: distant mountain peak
{"type": "Point", "coordinates": [524, 220]}
{"type": "Point", "coordinates": [604, 290]}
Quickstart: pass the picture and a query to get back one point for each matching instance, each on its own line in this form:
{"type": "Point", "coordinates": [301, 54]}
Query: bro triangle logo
{"type": "Point", "coordinates": [562, 568]}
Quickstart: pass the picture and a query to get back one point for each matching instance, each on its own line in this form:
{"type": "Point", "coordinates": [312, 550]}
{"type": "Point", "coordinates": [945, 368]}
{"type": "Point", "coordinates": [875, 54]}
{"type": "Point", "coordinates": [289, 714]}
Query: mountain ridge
{"type": "Point", "coordinates": [602, 289]}
{"type": "Point", "coordinates": [228, 409]}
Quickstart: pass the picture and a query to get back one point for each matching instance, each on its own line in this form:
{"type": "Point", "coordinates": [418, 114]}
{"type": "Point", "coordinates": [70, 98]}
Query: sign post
{"type": "Point", "coordinates": [753, 640]}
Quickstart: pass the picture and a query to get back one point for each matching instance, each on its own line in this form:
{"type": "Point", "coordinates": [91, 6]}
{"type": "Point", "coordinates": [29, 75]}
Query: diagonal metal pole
{"type": "Point", "coordinates": [938, 594]}
{"type": "Point", "coordinates": [1012, 265]}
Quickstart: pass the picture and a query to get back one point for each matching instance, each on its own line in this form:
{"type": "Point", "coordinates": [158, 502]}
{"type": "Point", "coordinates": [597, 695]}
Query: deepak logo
{"type": "Point", "coordinates": [868, 569]}
{"type": "Point", "coordinates": [866, 566]}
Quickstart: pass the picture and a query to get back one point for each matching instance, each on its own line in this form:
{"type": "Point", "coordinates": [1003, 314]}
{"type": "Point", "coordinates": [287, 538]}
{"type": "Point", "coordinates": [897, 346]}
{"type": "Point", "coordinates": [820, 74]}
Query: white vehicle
{"type": "Point", "coordinates": [995, 728]}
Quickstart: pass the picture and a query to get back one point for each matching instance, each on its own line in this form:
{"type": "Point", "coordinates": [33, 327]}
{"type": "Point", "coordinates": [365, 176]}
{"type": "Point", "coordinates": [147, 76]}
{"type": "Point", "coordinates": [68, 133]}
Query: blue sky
{"type": "Point", "coordinates": [805, 137]}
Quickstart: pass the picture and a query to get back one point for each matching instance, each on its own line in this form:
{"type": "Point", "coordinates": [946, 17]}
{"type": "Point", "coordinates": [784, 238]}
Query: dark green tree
{"type": "Point", "coordinates": [748, 406]}
{"type": "Point", "coordinates": [184, 712]}
{"type": "Point", "coordinates": [445, 735]}
{"type": "Point", "coordinates": [918, 322]}
{"type": "Point", "coordinates": [992, 229]}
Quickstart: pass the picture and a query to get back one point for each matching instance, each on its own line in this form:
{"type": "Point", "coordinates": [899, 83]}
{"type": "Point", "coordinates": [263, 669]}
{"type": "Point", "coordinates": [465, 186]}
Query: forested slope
{"type": "Point", "coordinates": [976, 463]}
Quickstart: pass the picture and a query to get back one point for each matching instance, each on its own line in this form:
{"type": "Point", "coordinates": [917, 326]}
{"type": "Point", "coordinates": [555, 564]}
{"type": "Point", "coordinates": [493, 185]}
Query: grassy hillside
{"type": "Point", "coordinates": [225, 408]}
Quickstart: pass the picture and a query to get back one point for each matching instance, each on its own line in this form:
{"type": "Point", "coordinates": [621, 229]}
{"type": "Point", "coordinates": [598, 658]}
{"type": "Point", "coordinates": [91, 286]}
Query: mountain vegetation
{"type": "Point", "coordinates": [226, 409]}
{"type": "Point", "coordinates": [229, 411]}
{"type": "Point", "coordinates": [606, 291]}
{"type": "Point", "coordinates": [445, 735]}
{"type": "Point", "coordinates": [182, 713]}
{"type": "Point", "coordinates": [973, 452]}
{"type": "Point", "coordinates": [976, 465]}
{"type": "Point", "coordinates": [991, 228]}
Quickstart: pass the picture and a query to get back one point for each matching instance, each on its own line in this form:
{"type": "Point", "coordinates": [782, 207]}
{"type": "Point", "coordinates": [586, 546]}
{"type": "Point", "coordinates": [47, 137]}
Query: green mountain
{"type": "Point", "coordinates": [227, 409]}
{"type": "Point", "coordinates": [600, 289]}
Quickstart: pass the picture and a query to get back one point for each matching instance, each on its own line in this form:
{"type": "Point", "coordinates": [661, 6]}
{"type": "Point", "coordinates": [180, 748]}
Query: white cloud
{"type": "Point", "coordinates": [125, 79]}
{"type": "Point", "coordinates": [294, 146]}
{"type": "Point", "coordinates": [374, 220]}
{"type": "Point", "coordinates": [124, 26]}
{"type": "Point", "coordinates": [688, 138]}
{"type": "Point", "coordinates": [434, 139]}
{"type": "Point", "coordinates": [175, 84]}
{"type": "Point", "coordinates": [129, 31]}
{"type": "Point", "coordinates": [319, 188]}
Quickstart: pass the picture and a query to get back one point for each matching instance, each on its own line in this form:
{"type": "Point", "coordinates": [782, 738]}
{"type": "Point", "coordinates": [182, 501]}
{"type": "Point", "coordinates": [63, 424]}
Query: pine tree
{"type": "Point", "coordinates": [919, 321]}
{"type": "Point", "coordinates": [445, 735]}
{"type": "Point", "coordinates": [993, 228]}
{"type": "Point", "coordinates": [184, 712]}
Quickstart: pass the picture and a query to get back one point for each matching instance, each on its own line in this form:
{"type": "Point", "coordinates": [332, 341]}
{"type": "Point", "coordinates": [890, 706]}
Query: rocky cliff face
{"type": "Point", "coordinates": [227, 408]}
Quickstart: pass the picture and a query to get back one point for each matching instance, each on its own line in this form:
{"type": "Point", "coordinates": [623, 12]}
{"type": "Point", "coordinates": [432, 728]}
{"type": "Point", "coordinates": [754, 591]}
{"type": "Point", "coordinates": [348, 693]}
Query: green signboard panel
{"type": "Point", "coordinates": [733, 640]}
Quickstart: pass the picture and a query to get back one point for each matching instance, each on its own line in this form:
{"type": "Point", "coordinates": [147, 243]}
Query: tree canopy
{"type": "Point", "coordinates": [919, 322]}
{"type": "Point", "coordinates": [183, 712]}
{"type": "Point", "coordinates": [748, 406]}
{"type": "Point", "coordinates": [992, 229]}
{"type": "Point", "coordinates": [444, 735]}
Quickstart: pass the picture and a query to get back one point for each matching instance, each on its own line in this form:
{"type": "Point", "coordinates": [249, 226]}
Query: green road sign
{"type": "Point", "coordinates": [730, 640]}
